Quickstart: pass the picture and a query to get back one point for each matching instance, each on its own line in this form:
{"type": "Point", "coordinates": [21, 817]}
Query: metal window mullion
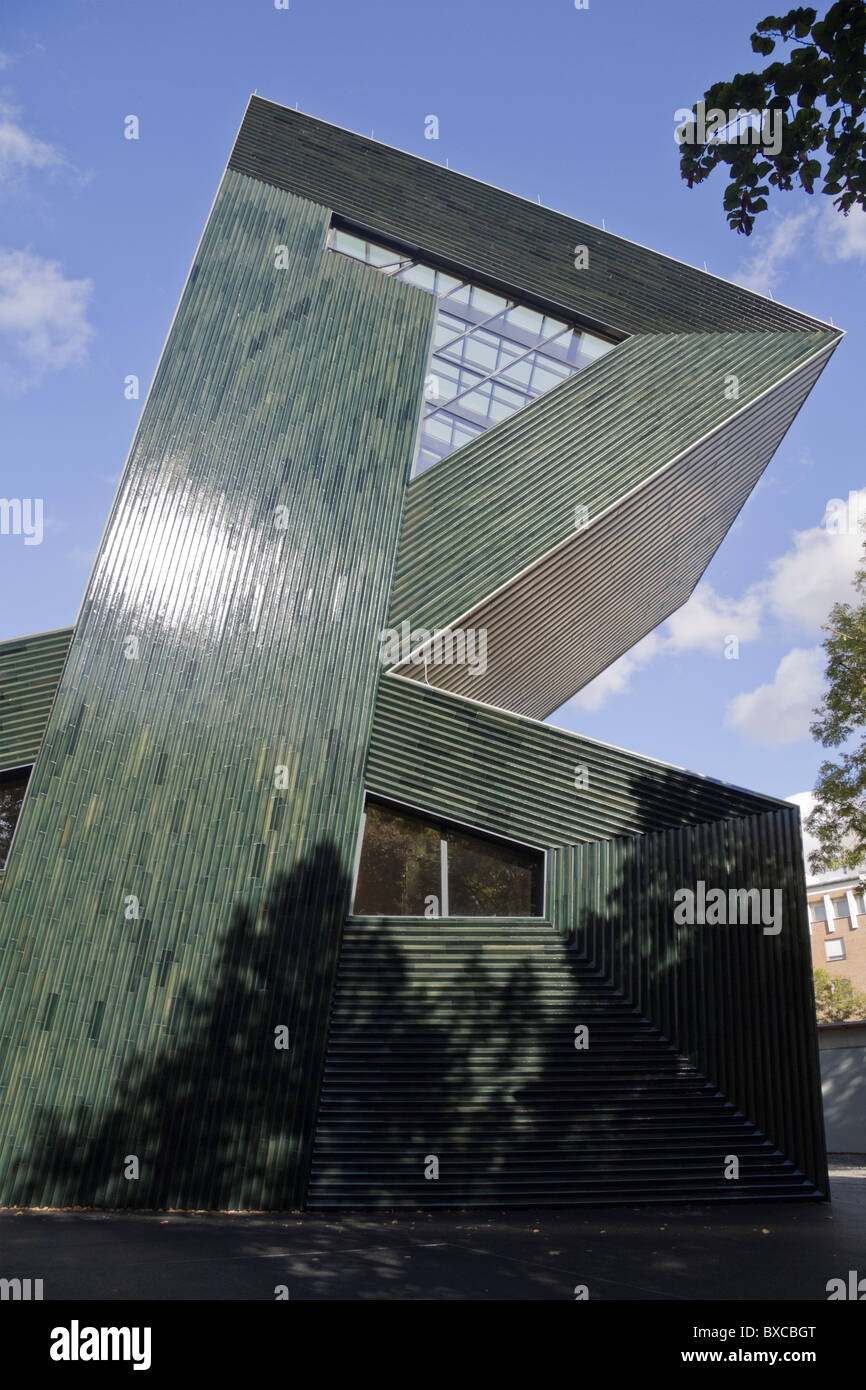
{"type": "Point", "coordinates": [482, 323]}
{"type": "Point", "coordinates": [443, 866]}
{"type": "Point", "coordinates": [491, 376]}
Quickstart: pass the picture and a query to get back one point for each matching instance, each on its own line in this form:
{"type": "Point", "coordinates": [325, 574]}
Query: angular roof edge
{"type": "Point", "coordinates": [499, 236]}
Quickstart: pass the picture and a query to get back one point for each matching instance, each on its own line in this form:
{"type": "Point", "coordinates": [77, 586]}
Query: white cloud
{"type": "Point", "coordinates": [702, 624]}
{"type": "Point", "coordinates": [818, 229]}
{"type": "Point", "coordinates": [19, 150]}
{"type": "Point", "coordinates": [806, 803]}
{"type": "Point", "coordinates": [707, 619]}
{"type": "Point", "coordinates": [801, 588]}
{"type": "Point", "coordinates": [617, 678]}
{"type": "Point", "coordinates": [781, 711]}
{"type": "Point", "coordinates": [776, 244]}
{"type": "Point", "coordinates": [815, 573]}
{"type": "Point", "coordinates": [841, 238]}
{"type": "Point", "coordinates": [43, 319]}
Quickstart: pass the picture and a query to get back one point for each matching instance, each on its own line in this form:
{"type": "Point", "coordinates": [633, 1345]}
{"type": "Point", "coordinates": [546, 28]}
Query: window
{"type": "Point", "coordinates": [817, 912]}
{"type": "Point", "coordinates": [411, 866]}
{"type": "Point", "coordinates": [840, 907]}
{"type": "Point", "coordinates": [860, 902]}
{"type": "Point", "coordinates": [835, 949]}
{"type": "Point", "coordinates": [12, 789]}
{"type": "Point", "coordinates": [491, 355]}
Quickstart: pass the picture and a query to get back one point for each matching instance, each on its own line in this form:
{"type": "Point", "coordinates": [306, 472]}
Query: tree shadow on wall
{"type": "Point", "coordinates": [219, 1117]}
{"type": "Point", "coordinates": [425, 1060]}
{"type": "Point", "coordinates": [472, 1059]}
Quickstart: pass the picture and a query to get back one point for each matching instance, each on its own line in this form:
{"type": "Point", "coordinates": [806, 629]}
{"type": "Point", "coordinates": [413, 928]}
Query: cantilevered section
{"type": "Point", "coordinates": [629, 560]}
{"type": "Point", "coordinates": [571, 528]}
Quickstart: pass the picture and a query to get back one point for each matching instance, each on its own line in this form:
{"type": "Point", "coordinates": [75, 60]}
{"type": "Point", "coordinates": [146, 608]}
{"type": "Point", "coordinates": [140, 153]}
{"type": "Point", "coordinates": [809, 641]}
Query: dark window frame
{"type": "Point", "coordinates": [22, 773]}
{"type": "Point", "coordinates": [444, 823]}
{"type": "Point", "coordinates": [581, 322]}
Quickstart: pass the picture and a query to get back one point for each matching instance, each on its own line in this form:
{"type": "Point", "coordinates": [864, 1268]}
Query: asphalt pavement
{"type": "Point", "coordinates": [754, 1251]}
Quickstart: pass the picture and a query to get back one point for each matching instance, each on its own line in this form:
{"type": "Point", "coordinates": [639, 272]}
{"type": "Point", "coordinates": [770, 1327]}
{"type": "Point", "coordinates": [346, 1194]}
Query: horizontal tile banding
{"type": "Point", "coordinates": [296, 388]}
{"type": "Point", "coordinates": [555, 627]}
{"type": "Point", "coordinates": [30, 670]}
{"type": "Point", "coordinates": [472, 524]}
{"type": "Point", "coordinates": [512, 776]}
{"type": "Point", "coordinates": [455, 1040]}
{"type": "Point", "coordinates": [170, 905]}
{"type": "Point", "coordinates": [495, 235]}
{"type": "Point", "coordinates": [737, 1002]}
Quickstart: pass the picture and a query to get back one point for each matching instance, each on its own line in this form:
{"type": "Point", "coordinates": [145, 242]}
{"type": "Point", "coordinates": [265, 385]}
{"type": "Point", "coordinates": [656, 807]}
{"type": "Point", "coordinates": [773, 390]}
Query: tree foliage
{"type": "Point", "coordinates": [836, 1000]}
{"type": "Point", "coordinates": [838, 821]}
{"type": "Point", "coordinates": [820, 93]}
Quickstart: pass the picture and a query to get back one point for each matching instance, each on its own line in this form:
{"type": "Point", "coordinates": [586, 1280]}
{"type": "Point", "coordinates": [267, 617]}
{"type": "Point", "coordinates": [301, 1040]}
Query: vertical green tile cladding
{"type": "Point", "coordinates": [29, 672]}
{"type": "Point", "coordinates": [229, 629]}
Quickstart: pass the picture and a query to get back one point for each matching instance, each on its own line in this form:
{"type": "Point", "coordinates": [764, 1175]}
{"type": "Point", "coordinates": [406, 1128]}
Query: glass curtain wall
{"type": "Point", "coordinates": [491, 355]}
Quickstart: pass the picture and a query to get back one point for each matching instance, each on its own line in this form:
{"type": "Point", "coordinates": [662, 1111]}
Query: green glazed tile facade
{"type": "Point", "coordinates": [229, 630]}
{"type": "Point", "coordinates": [494, 234]}
{"type": "Point", "coordinates": [737, 999]}
{"type": "Point", "coordinates": [493, 770]}
{"type": "Point", "coordinates": [30, 670]}
{"type": "Point", "coordinates": [174, 953]}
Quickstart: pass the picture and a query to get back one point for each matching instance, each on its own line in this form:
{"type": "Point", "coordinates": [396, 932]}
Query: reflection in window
{"type": "Point", "coordinates": [490, 879]}
{"type": "Point", "coordinates": [414, 867]}
{"type": "Point", "coordinates": [12, 791]}
{"type": "Point", "coordinates": [400, 867]}
{"type": "Point", "coordinates": [491, 355]}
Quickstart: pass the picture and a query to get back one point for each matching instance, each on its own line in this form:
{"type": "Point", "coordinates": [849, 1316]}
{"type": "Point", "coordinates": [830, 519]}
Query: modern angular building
{"type": "Point", "coordinates": [306, 904]}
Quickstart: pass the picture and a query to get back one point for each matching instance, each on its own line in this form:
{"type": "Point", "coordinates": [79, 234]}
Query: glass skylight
{"type": "Point", "coordinates": [491, 355]}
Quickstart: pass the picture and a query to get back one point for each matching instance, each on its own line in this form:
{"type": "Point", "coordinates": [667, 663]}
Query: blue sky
{"type": "Point", "coordinates": [577, 107]}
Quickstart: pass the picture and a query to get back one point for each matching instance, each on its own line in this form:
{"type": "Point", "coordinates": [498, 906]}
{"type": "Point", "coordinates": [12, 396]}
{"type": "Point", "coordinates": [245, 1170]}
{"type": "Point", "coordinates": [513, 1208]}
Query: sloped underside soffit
{"type": "Point", "coordinates": [632, 552]}
{"type": "Point", "coordinates": [570, 529]}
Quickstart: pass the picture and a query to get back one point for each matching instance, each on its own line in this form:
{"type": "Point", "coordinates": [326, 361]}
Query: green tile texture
{"type": "Point", "coordinates": [502, 773]}
{"type": "Point", "coordinates": [483, 529]}
{"type": "Point", "coordinates": [736, 1001]}
{"type": "Point", "coordinates": [181, 874]}
{"type": "Point", "coordinates": [30, 669]}
{"type": "Point", "coordinates": [154, 1036]}
{"type": "Point", "coordinates": [499, 237]}
{"type": "Point", "coordinates": [663, 463]}
{"type": "Point", "coordinates": [428, 1014]}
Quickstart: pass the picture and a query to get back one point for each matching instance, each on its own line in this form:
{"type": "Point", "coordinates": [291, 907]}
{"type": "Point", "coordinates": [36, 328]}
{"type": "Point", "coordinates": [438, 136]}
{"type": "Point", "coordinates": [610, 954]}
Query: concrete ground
{"type": "Point", "coordinates": [754, 1251]}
